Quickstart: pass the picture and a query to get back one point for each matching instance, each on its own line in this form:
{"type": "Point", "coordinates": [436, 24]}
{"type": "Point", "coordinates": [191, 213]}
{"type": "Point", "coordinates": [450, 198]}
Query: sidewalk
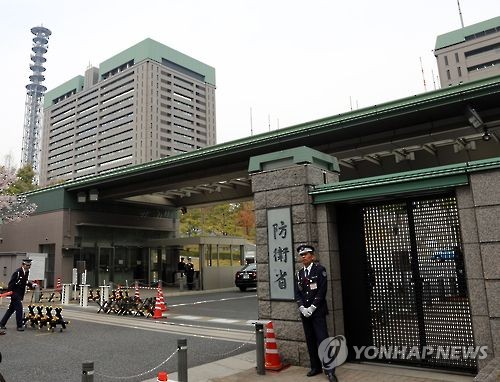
{"type": "Point", "coordinates": [242, 368]}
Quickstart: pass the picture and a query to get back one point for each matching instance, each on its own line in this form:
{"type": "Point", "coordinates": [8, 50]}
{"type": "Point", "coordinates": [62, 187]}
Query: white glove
{"type": "Point", "coordinates": [304, 311]}
{"type": "Point", "coordinates": [311, 310]}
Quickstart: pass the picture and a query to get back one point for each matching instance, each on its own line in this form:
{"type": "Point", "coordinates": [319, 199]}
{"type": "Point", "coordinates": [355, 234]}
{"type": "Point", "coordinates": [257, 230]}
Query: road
{"type": "Point", "coordinates": [125, 348]}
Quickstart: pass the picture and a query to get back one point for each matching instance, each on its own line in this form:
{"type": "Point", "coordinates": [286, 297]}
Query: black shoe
{"type": "Point", "coordinates": [332, 377]}
{"type": "Point", "coordinates": [313, 372]}
{"type": "Point", "coordinates": [2, 327]}
{"type": "Point", "coordinates": [20, 329]}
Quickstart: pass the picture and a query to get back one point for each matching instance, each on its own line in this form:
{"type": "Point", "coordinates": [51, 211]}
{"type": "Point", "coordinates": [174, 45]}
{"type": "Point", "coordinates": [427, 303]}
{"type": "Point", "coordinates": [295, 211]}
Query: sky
{"type": "Point", "coordinates": [278, 63]}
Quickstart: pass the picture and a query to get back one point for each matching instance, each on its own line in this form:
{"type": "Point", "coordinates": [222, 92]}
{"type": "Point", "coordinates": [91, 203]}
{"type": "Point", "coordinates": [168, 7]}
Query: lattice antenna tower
{"type": "Point", "coordinates": [34, 99]}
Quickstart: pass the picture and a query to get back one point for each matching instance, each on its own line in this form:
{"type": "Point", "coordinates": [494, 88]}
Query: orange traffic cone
{"type": "Point", "coordinates": [58, 285]}
{"type": "Point", "coordinates": [158, 313]}
{"type": "Point", "coordinates": [273, 359]}
{"type": "Point", "coordinates": [162, 376]}
{"type": "Point", "coordinates": [160, 295]}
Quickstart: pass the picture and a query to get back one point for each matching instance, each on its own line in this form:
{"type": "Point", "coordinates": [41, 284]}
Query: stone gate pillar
{"type": "Point", "coordinates": [281, 182]}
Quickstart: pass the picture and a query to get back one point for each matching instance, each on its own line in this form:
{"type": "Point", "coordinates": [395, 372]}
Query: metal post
{"type": "Point", "coordinates": [259, 341]}
{"type": "Point", "coordinates": [88, 371]}
{"type": "Point", "coordinates": [104, 294]}
{"type": "Point", "coordinates": [84, 295]}
{"type": "Point", "coordinates": [182, 374]}
{"type": "Point", "coordinates": [36, 293]}
{"type": "Point", "coordinates": [66, 291]}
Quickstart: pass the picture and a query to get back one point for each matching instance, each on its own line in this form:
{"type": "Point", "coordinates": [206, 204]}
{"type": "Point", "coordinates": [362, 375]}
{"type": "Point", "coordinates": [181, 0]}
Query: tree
{"type": "Point", "coordinates": [246, 220]}
{"type": "Point", "coordinates": [13, 207]}
{"type": "Point", "coordinates": [24, 181]}
{"type": "Point", "coordinates": [227, 219]}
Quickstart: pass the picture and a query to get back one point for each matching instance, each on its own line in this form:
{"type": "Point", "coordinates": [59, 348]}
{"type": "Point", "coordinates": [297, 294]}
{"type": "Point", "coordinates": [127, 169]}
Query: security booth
{"type": "Point", "coordinates": [216, 259]}
{"type": "Point", "coordinates": [10, 261]}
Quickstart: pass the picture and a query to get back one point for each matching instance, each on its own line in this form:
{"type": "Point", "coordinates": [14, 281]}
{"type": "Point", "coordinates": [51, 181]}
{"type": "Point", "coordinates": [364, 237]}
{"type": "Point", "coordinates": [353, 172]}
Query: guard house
{"type": "Point", "coordinates": [10, 261]}
{"type": "Point", "coordinates": [216, 258]}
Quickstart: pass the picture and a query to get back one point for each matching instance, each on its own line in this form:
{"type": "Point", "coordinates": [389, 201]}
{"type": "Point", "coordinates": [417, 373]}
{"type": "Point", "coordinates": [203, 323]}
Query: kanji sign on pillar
{"type": "Point", "coordinates": [280, 250]}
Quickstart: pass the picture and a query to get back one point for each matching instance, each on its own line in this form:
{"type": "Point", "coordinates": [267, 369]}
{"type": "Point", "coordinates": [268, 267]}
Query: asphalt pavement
{"type": "Point", "coordinates": [139, 348]}
{"type": "Point", "coordinates": [121, 347]}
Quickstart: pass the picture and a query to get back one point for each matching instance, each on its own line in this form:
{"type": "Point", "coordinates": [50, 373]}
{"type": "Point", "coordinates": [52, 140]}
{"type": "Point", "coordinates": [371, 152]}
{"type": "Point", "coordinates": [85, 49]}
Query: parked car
{"type": "Point", "coordinates": [246, 277]}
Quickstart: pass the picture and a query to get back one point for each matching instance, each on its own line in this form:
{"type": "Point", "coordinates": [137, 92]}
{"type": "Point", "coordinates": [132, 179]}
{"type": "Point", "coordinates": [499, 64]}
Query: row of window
{"type": "Point", "coordinates": [473, 68]}
{"type": "Point", "coordinates": [482, 33]}
{"type": "Point", "coordinates": [457, 59]}
{"type": "Point", "coordinates": [448, 73]}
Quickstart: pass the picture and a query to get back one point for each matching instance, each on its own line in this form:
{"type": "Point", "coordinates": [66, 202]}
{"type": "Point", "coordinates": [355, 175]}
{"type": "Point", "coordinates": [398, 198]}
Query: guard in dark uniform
{"type": "Point", "coordinates": [190, 274]}
{"type": "Point", "coordinates": [17, 285]}
{"type": "Point", "coordinates": [310, 292]}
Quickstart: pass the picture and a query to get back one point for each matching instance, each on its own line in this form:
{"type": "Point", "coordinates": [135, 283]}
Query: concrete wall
{"type": "Point", "coordinates": [288, 187]}
{"type": "Point", "coordinates": [479, 210]}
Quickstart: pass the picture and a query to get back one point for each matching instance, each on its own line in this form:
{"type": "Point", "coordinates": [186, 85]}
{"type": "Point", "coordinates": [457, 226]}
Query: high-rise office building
{"type": "Point", "coordinates": [143, 104]}
{"type": "Point", "coordinates": [469, 53]}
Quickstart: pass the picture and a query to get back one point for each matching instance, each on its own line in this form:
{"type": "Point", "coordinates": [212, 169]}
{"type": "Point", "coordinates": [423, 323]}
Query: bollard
{"type": "Point", "coordinates": [36, 293]}
{"type": "Point", "coordinates": [104, 294]}
{"type": "Point", "coordinates": [182, 374]}
{"type": "Point", "coordinates": [88, 371]}
{"type": "Point", "coordinates": [65, 294]}
{"type": "Point", "coordinates": [84, 295]}
{"type": "Point", "coordinates": [259, 341]}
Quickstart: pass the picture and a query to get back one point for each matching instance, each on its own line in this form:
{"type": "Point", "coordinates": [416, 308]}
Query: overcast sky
{"type": "Point", "coordinates": [287, 61]}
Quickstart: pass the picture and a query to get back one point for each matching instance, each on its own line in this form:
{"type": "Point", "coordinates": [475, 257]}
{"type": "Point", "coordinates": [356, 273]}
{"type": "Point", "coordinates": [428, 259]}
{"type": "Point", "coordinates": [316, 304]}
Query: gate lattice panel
{"type": "Point", "coordinates": [416, 279]}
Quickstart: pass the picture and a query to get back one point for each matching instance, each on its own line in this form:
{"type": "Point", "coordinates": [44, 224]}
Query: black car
{"type": "Point", "coordinates": [246, 277]}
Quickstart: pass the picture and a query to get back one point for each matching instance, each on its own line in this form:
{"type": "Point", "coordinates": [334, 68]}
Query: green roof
{"type": "Point", "coordinates": [433, 178]}
{"type": "Point", "coordinates": [459, 35]}
{"type": "Point", "coordinates": [152, 49]}
{"type": "Point", "coordinates": [75, 84]}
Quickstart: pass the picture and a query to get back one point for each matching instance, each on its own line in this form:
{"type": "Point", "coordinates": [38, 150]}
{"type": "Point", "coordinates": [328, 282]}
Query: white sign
{"type": "Point", "coordinates": [281, 256]}
{"type": "Point", "coordinates": [37, 270]}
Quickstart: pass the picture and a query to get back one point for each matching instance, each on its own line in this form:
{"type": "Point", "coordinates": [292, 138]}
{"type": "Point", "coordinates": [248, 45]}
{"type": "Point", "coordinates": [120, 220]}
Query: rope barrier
{"type": "Point", "coordinates": [212, 355]}
{"type": "Point", "coordinates": [223, 355]}
{"type": "Point", "coordinates": [137, 375]}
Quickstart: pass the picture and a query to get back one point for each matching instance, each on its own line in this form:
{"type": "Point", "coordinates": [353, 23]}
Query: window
{"type": "Point", "coordinates": [448, 74]}
{"type": "Point", "coordinates": [456, 58]}
{"type": "Point", "coordinates": [446, 60]}
{"type": "Point", "coordinates": [459, 69]}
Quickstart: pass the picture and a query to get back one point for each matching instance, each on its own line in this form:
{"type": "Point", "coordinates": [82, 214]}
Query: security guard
{"type": "Point", "coordinates": [190, 274]}
{"type": "Point", "coordinates": [17, 285]}
{"type": "Point", "coordinates": [310, 292]}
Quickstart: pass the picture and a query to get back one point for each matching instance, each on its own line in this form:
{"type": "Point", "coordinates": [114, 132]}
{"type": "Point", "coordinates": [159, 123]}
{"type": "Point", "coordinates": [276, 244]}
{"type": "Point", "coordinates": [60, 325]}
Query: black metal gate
{"type": "Point", "coordinates": [414, 290]}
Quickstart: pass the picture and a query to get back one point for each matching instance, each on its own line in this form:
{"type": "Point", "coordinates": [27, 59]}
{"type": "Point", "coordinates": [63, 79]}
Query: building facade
{"type": "Point", "coordinates": [470, 53]}
{"type": "Point", "coordinates": [145, 103]}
